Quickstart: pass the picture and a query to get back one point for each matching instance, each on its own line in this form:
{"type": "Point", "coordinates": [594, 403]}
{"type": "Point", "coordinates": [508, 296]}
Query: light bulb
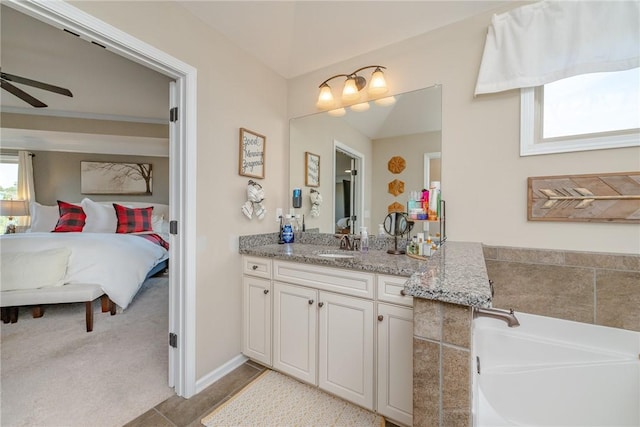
{"type": "Point", "coordinates": [377, 85]}
{"type": "Point", "coordinates": [350, 91]}
{"type": "Point", "coordinates": [325, 98]}
{"type": "Point", "coordinates": [363, 106]}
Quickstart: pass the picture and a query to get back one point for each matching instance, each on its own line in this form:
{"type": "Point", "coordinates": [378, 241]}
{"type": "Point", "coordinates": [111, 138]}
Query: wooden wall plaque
{"type": "Point", "coordinates": [608, 197]}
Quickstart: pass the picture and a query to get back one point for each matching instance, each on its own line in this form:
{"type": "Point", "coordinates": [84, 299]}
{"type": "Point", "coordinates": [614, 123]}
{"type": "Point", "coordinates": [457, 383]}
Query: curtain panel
{"type": "Point", "coordinates": [26, 189]}
{"type": "Point", "coordinates": [552, 40]}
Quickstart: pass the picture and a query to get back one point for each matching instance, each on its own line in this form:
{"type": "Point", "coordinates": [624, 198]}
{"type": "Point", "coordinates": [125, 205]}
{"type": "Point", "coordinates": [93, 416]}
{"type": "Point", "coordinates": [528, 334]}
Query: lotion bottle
{"type": "Point", "coordinates": [364, 240]}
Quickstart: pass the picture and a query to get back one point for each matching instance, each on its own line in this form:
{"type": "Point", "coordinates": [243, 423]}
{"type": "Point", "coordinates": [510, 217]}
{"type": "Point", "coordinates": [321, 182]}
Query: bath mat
{"type": "Point", "coordinates": [274, 399]}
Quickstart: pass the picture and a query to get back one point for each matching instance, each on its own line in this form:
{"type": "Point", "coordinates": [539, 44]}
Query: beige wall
{"type": "Point", "coordinates": [234, 91]}
{"type": "Point", "coordinates": [483, 176]}
{"type": "Point", "coordinates": [57, 177]}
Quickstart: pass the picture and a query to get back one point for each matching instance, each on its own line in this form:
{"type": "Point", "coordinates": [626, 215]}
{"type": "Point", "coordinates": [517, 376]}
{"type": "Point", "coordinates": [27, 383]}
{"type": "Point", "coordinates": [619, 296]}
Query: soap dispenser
{"type": "Point", "coordinates": [287, 230]}
{"type": "Point", "coordinates": [364, 240]}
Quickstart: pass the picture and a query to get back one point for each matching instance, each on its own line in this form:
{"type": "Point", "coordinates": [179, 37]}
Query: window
{"type": "Point", "coordinates": [585, 112]}
{"type": "Point", "coordinates": [8, 182]}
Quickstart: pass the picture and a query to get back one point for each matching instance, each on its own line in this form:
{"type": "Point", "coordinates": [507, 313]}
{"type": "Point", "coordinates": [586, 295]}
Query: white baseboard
{"type": "Point", "coordinates": [220, 372]}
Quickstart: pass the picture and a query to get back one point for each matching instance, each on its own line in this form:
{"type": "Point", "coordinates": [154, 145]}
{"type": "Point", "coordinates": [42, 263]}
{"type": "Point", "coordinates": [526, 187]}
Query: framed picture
{"type": "Point", "coordinates": [311, 170]}
{"type": "Point", "coordinates": [116, 178]}
{"type": "Point", "coordinates": [252, 153]}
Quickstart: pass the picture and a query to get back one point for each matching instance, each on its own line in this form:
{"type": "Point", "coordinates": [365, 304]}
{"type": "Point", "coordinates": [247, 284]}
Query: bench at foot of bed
{"type": "Point", "coordinates": [11, 300]}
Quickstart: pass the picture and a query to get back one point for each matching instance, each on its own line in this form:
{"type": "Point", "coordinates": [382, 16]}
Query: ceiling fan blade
{"type": "Point", "coordinates": [37, 84]}
{"type": "Point", "coordinates": [21, 94]}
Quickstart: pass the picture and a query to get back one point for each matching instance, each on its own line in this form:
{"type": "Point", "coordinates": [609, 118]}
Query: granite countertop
{"type": "Point", "coordinates": [456, 273]}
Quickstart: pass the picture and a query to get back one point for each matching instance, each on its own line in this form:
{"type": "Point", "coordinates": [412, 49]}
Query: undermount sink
{"type": "Point", "coordinates": [335, 255]}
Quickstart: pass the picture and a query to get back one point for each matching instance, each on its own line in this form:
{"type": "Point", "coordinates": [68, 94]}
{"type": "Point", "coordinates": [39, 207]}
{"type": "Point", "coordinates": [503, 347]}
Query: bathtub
{"type": "Point", "coordinates": [551, 372]}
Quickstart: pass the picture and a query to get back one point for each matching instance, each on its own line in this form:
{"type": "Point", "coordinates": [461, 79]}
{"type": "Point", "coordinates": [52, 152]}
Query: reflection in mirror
{"type": "Point", "coordinates": [363, 143]}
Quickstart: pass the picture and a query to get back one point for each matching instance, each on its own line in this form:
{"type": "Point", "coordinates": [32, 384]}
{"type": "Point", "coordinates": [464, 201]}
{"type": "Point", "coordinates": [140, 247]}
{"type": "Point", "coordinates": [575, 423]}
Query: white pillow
{"type": "Point", "coordinates": [100, 218]}
{"type": "Point", "coordinates": [31, 270]}
{"type": "Point", "coordinates": [43, 218]}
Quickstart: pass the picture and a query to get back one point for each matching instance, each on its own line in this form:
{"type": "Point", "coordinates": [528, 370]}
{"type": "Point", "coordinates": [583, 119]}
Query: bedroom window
{"type": "Point", "coordinates": [585, 112]}
{"type": "Point", "coordinates": [8, 182]}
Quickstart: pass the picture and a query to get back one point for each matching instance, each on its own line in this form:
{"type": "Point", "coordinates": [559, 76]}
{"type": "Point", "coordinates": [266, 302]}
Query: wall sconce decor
{"type": "Point", "coordinates": [352, 87]}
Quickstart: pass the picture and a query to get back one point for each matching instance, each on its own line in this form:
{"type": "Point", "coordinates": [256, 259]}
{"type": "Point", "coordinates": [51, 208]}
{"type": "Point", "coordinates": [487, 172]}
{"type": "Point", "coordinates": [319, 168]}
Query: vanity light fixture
{"type": "Point", "coordinates": [352, 87]}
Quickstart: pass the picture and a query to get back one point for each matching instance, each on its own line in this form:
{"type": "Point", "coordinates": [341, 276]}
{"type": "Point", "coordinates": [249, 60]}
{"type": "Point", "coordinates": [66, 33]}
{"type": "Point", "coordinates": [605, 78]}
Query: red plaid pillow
{"type": "Point", "coordinates": [133, 220]}
{"type": "Point", "coordinates": [71, 219]}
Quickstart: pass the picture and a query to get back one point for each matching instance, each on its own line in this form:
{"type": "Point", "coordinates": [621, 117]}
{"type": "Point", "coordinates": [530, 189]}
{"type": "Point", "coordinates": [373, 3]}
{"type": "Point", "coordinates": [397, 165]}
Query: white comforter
{"type": "Point", "coordinates": [117, 262]}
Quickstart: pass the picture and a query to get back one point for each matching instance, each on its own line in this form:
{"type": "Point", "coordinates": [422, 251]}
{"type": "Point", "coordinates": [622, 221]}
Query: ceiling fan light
{"type": "Point", "coordinates": [350, 92]}
{"type": "Point", "coordinates": [378, 84]}
{"type": "Point", "coordinates": [325, 97]}
{"type": "Point", "coordinates": [363, 106]}
{"type": "Point", "coordinates": [338, 112]}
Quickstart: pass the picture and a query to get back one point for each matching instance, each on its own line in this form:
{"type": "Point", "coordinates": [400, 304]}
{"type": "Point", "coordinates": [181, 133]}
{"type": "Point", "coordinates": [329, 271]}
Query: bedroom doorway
{"type": "Point", "coordinates": [182, 169]}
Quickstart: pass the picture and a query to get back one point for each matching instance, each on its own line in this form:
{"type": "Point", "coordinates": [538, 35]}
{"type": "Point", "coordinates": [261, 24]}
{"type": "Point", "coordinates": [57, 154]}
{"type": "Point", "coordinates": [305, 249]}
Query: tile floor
{"type": "Point", "coordinates": [179, 412]}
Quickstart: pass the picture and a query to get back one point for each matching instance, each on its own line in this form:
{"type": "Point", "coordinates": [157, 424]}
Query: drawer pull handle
{"type": "Point", "coordinates": [320, 304]}
{"type": "Point", "coordinates": [310, 302]}
{"type": "Point", "coordinates": [254, 267]}
{"type": "Point", "coordinates": [266, 291]}
{"type": "Point", "coordinates": [380, 318]}
{"type": "Point", "coordinates": [402, 292]}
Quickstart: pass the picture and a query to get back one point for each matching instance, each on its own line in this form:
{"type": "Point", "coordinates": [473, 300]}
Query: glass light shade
{"type": "Point", "coordinates": [377, 85]}
{"type": "Point", "coordinates": [325, 98]}
{"type": "Point", "coordinates": [363, 106]}
{"type": "Point", "coordinates": [384, 102]}
{"type": "Point", "coordinates": [350, 91]}
{"type": "Point", "coordinates": [338, 112]}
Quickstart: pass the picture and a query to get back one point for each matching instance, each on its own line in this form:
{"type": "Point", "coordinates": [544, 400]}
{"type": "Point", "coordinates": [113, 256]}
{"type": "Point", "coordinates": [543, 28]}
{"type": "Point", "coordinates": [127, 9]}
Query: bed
{"type": "Point", "coordinates": [108, 248]}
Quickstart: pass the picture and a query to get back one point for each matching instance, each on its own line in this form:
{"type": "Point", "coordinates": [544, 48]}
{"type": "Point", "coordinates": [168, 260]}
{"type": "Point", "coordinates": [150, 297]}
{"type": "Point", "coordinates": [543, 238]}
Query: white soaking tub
{"type": "Point", "coordinates": [551, 372]}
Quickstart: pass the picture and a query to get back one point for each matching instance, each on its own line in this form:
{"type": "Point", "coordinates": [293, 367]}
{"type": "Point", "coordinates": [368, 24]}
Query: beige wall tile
{"type": "Point", "coordinates": [455, 385]}
{"type": "Point", "coordinates": [547, 290]}
{"type": "Point", "coordinates": [537, 256]}
{"type": "Point", "coordinates": [456, 326]}
{"type": "Point", "coordinates": [427, 319]}
{"type": "Point", "coordinates": [618, 299]}
{"type": "Point", "coordinates": [426, 383]}
{"type": "Point", "coordinates": [608, 261]}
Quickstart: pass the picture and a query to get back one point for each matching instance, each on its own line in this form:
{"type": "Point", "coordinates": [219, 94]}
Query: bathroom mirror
{"type": "Point", "coordinates": [356, 181]}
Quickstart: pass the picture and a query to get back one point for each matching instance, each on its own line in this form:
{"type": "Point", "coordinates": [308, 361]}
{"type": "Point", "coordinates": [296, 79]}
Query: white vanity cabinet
{"type": "Point", "coordinates": [349, 332]}
{"type": "Point", "coordinates": [256, 309]}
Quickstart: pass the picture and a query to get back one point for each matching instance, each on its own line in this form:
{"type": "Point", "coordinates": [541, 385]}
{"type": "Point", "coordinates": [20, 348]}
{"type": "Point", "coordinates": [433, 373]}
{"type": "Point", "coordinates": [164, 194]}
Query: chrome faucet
{"type": "Point", "coordinates": [507, 316]}
{"type": "Point", "coordinates": [348, 242]}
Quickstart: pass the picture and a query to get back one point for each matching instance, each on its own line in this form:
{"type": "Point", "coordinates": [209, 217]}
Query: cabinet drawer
{"type": "Point", "coordinates": [391, 289]}
{"type": "Point", "coordinates": [348, 282]}
{"type": "Point", "coordinates": [256, 266]}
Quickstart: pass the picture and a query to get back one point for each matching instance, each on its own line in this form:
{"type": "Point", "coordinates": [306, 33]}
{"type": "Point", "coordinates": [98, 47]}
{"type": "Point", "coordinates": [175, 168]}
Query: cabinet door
{"type": "Point", "coordinates": [256, 314]}
{"type": "Point", "coordinates": [346, 347]}
{"type": "Point", "coordinates": [294, 331]}
{"type": "Point", "coordinates": [395, 363]}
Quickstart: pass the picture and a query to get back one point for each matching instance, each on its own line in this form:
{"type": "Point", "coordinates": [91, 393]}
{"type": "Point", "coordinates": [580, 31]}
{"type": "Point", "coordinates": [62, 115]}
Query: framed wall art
{"type": "Point", "coordinates": [311, 169]}
{"type": "Point", "coordinates": [116, 178]}
{"type": "Point", "coordinates": [252, 153]}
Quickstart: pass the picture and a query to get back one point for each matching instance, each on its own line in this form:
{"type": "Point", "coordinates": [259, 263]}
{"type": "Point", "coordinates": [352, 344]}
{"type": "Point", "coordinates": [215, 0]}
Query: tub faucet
{"type": "Point", "coordinates": [507, 316]}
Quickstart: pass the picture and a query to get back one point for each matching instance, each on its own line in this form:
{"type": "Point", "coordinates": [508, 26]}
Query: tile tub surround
{"type": "Point", "coordinates": [588, 287]}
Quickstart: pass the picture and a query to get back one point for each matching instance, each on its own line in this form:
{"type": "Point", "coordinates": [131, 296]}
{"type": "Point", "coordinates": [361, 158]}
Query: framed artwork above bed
{"type": "Point", "coordinates": [116, 178]}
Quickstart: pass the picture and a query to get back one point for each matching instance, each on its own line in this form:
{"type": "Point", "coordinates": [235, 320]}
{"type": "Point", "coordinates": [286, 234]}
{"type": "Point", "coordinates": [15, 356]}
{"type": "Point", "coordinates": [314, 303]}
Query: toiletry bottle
{"type": "Point", "coordinates": [364, 240]}
{"type": "Point", "coordinates": [381, 232]}
{"type": "Point", "coordinates": [287, 230]}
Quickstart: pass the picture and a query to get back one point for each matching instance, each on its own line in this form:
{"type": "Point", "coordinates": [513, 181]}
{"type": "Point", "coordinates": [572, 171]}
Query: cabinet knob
{"type": "Point", "coordinates": [402, 292]}
{"type": "Point", "coordinates": [266, 291]}
{"type": "Point", "coordinates": [254, 267]}
{"type": "Point", "coordinates": [381, 318]}
{"type": "Point", "coordinates": [320, 304]}
{"type": "Point", "coordinates": [310, 302]}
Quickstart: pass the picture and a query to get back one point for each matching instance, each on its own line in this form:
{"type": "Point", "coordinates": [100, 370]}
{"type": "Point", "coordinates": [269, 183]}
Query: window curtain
{"type": "Point", "coordinates": [552, 40]}
{"type": "Point", "coordinates": [26, 189]}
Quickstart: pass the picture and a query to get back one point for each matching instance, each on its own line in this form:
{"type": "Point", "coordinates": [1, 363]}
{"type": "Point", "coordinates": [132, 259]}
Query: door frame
{"type": "Point", "coordinates": [358, 205]}
{"type": "Point", "coordinates": [182, 169]}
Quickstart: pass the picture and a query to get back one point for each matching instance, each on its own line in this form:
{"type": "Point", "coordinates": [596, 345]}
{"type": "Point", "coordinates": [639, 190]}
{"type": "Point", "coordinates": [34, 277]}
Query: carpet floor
{"type": "Point", "coordinates": [54, 373]}
{"type": "Point", "coordinates": [274, 399]}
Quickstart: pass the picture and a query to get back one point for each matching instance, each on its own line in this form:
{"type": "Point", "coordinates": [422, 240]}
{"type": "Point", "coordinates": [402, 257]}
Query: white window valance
{"type": "Point", "coordinates": [552, 40]}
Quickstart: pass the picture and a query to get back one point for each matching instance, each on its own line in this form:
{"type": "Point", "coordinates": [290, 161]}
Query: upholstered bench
{"type": "Point", "coordinates": [11, 300]}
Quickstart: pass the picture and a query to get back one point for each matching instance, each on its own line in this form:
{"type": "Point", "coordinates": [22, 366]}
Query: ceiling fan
{"type": "Point", "coordinates": [6, 78]}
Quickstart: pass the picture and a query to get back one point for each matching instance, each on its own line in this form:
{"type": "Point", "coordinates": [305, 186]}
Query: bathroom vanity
{"type": "Point", "coordinates": [346, 321]}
